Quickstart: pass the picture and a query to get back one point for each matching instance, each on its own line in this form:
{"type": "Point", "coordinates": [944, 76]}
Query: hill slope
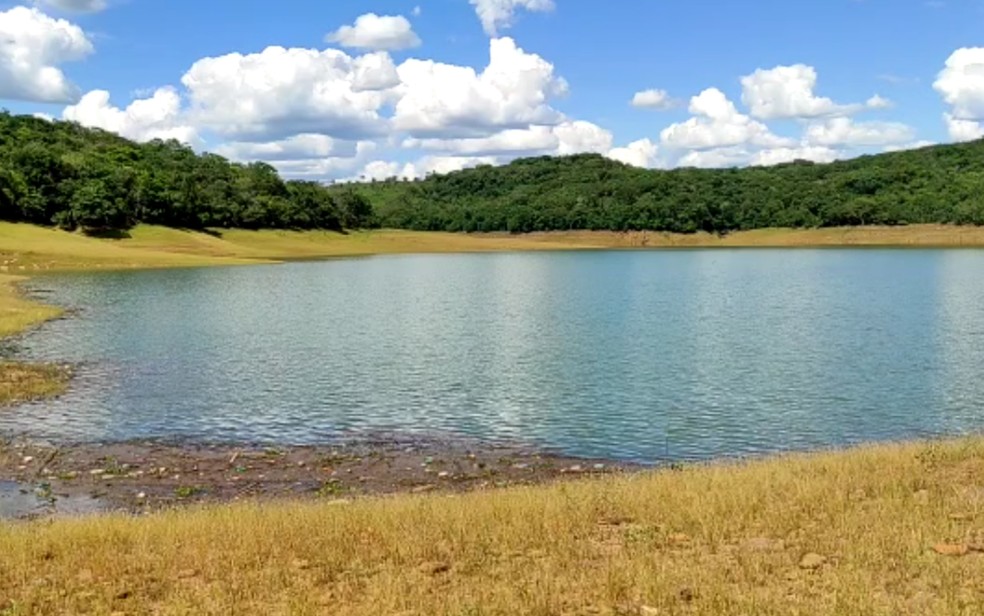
{"type": "Point", "coordinates": [938, 184]}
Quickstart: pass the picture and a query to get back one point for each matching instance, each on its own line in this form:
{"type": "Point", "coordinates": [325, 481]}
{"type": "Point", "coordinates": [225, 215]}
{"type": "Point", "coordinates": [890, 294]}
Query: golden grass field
{"type": "Point", "coordinates": [26, 249]}
{"type": "Point", "coordinates": [893, 529]}
{"type": "Point", "coordinates": [889, 529]}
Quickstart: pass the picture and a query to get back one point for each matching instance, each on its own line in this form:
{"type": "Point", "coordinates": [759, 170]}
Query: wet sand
{"type": "Point", "coordinates": [146, 476]}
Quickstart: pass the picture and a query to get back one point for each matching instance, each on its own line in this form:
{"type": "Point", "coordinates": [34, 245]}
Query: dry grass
{"type": "Point", "coordinates": [725, 539]}
{"type": "Point", "coordinates": [26, 249]}
{"type": "Point", "coordinates": [20, 382]}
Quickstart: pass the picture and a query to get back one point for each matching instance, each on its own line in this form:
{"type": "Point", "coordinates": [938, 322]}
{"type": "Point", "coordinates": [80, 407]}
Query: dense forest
{"type": "Point", "coordinates": [59, 173]}
{"type": "Point", "coordinates": [63, 174]}
{"type": "Point", "coordinates": [937, 184]}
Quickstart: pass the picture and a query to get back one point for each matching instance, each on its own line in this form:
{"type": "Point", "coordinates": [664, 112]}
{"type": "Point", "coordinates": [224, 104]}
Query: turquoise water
{"type": "Point", "coordinates": [631, 355]}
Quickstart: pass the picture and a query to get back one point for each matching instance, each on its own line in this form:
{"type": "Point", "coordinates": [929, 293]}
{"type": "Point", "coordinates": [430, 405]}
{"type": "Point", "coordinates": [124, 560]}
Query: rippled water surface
{"type": "Point", "coordinates": [635, 355]}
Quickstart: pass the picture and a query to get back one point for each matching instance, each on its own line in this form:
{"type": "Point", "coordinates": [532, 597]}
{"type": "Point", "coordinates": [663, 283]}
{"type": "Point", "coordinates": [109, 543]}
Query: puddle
{"type": "Point", "coordinates": [23, 501]}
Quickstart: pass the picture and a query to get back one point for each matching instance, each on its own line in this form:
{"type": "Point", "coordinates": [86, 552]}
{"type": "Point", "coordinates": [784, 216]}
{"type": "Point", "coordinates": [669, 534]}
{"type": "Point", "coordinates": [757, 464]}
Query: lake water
{"type": "Point", "coordinates": [632, 355]}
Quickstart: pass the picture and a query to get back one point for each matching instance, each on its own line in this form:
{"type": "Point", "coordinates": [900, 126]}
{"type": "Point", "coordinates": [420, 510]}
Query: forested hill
{"type": "Point", "coordinates": [938, 184]}
{"type": "Point", "coordinates": [60, 173]}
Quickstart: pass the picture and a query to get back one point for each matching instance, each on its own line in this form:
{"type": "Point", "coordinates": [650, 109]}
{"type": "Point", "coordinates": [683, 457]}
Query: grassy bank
{"type": "Point", "coordinates": [880, 530]}
{"type": "Point", "coordinates": [26, 249]}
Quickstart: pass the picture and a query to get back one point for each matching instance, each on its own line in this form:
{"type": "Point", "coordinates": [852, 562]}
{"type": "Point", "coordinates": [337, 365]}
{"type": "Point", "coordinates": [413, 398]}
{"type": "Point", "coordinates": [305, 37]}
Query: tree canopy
{"type": "Point", "coordinates": [60, 173]}
{"type": "Point", "coordinates": [937, 184]}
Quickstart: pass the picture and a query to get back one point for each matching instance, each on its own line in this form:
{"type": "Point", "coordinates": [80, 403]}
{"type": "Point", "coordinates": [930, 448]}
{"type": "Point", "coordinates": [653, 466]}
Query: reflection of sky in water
{"type": "Point", "coordinates": [627, 354]}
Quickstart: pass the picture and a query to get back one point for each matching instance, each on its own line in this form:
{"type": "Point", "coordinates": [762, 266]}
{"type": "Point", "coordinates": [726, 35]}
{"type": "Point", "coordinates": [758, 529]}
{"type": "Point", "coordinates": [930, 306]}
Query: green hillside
{"type": "Point", "coordinates": [59, 173]}
{"type": "Point", "coordinates": [938, 184]}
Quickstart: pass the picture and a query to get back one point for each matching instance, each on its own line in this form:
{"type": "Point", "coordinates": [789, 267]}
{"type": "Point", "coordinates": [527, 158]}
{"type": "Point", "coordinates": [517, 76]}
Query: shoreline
{"type": "Point", "coordinates": [145, 476]}
{"type": "Point", "coordinates": [64, 478]}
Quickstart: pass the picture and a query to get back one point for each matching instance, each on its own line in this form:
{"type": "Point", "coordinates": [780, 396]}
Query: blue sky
{"type": "Point", "coordinates": [382, 87]}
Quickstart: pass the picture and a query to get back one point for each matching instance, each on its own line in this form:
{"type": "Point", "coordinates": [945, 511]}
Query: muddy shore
{"type": "Point", "coordinates": [145, 476]}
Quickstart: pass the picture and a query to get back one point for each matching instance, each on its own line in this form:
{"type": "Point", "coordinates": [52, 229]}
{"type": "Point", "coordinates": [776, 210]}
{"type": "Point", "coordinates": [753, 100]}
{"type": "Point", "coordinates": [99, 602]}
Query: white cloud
{"type": "Point", "coordinates": [281, 92]}
{"type": "Point", "coordinates": [156, 117]}
{"type": "Point", "coordinates": [963, 130]}
{"type": "Point", "coordinates": [961, 84]}
{"type": "Point", "coordinates": [75, 6]}
{"type": "Point", "coordinates": [659, 100]}
{"type": "Point", "coordinates": [444, 100]}
{"type": "Point", "coordinates": [565, 138]}
{"type": "Point", "coordinates": [845, 132]}
{"type": "Point", "coordinates": [775, 156]}
{"type": "Point", "coordinates": [641, 153]}
{"type": "Point", "coordinates": [922, 143]}
{"type": "Point", "coordinates": [499, 14]}
{"type": "Point", "coordinates": [379, 32]}
{"type": "Point", "coordinates": [717, 123]}
{"type": "Point", "coordinates": [416, 11]}
{"type": "Point", "coordinates": [296, 147]}
{"type": "Point", "coordinates": [374, 71]}
{"type": "Point", "coordinates": [32, 45]}
{"type": "Point", "coordinates": [788, 92]}
{"type": "Point", "coordinates": [380, 170]}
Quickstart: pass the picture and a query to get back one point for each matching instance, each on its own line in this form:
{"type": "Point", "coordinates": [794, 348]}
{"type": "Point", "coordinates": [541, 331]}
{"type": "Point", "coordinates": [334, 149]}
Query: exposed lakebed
{"type": "Point", "coordinates": [638, 356]}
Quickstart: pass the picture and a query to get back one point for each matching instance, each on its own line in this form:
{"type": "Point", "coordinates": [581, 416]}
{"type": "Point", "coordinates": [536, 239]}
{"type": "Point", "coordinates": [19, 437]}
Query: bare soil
{"type": "Point", "coordinates": [144, 476]}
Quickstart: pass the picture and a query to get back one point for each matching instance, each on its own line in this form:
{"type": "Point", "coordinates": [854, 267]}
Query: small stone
{"type": "Point", "coordinates": [435, 568]}
{"type": "Point", "coordinates": [599, 467]}
{"type": "Point", "coordinates": [812, 561]}
{"type": "Point", "coordinates": [521, 466]}
{"type": "Point", "coordinates": [444, 475]}
{"type": "Point", "coordinates": [141, 495]}
{"type": "Point", "coordinates": [679, 539]}
{"type": "Point", "coordinates": [577, 468]}
{"type": "Point", "coordinates": [951, 549]}
{"type": "Point", "coordinates": [97, 471]}
{"type": "Point", "coordinates": [28, 459]}
{"type": "Point", "coordinates": [108, 476]}
{"type": "Point", "coordinates": [422, 489]}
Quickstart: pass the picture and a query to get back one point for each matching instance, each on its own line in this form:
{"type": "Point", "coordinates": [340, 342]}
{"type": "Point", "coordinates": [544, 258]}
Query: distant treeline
{"type": "Point", "coordinates": [61, 173]}
{"type": "Point", "coordinates": [938, 184]}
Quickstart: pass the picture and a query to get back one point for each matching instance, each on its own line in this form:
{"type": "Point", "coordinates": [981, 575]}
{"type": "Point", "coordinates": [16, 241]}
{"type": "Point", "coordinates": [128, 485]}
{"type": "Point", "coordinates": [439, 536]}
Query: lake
{"type": "Point", "coordinates": [634, 355]}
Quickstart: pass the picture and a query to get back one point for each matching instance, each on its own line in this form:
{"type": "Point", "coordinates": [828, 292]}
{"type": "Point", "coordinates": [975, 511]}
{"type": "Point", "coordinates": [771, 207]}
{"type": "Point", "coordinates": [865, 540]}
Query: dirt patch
{"type": "Point", "coordinates": [147, 476]}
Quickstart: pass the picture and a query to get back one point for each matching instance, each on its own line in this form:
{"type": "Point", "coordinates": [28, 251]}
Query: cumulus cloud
{"type": "Point", "coordinates": [380, 169]}
{"type": "Point", "coordinates": [775, 156]}
{"type": "Point", "coordinates": [660, 100]}
{"type": "Point", "coordinates": [378, 32]}
{"type": "Point", "coordinates": [641, 153]}
{"type": "Point", "coordinates": [787, 92]}
{"type": "Point", "coordinates": [961, 84]}
{"type": "Point", "coordinates": [717, 123]}
{"type": "Point", "coordinates": [281, 92]}
{"type": "Point", "coordinates": [32, 46]}
{"type": "Point", "coordinates": [156, 117]}
{"type": "Point", "coordinates": [496, 15]}
{"type": "Point", "coordinates": [444, 100]}
{"type": "Point", "coordinates": [295, 147]}
{"type": "Point", "coordinates": [846, 132]}
{"type": "Point", "coordinates": [75, 6]}
{"type": "Point", "coordinates": [565, 138]}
